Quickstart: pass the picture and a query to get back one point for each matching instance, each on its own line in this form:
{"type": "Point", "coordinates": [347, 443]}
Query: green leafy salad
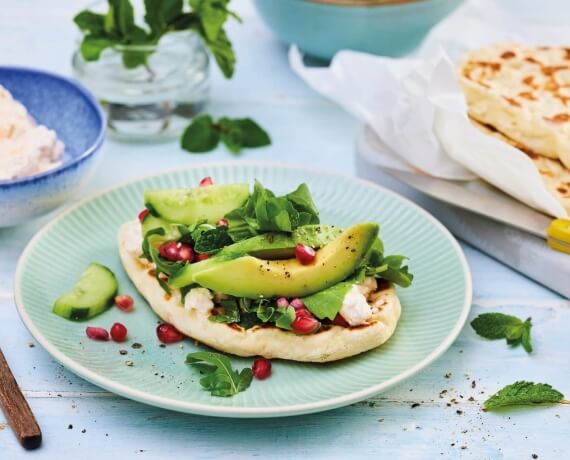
{"type": "Point", "coordinates": [265, 259]}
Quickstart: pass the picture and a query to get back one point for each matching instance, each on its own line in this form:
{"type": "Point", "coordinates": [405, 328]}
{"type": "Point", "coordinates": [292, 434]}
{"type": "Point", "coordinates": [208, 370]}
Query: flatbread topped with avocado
{"type": "Point", "coordinates": [259, 274]}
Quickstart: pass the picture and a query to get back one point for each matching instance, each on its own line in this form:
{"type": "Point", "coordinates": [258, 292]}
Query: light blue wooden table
{"type": "Point", "coordinates": [83, 421]}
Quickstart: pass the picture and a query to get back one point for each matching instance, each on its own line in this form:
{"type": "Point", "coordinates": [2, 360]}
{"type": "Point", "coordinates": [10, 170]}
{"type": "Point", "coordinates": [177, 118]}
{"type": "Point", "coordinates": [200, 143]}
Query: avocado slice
{"type": "Point", "coordinates": [188, 206]}
{"type": "Point", "coordinates": [252, 277]}
{"type": "Point", "coordinates": [269, 246]}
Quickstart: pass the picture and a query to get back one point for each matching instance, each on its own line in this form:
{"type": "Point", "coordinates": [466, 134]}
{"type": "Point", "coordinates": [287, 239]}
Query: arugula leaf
{"type": "Point", "coordinates": [220, 378]}
{"type": "Point", "coordinates": [395, 272]}
{"type": "Point", "coordinates": [162, 266]}
{"type": "Point", "coordinates": [231, 313]}
{"type": "Point", "coordinates": [265, 212]}
{"type": "Point", "coordinates": [500, 326]}
{"type": "Point", "coordinates": [523, 393]}
{"type": "Point", "coordinates": [327, 303]}
{"type": "Point", "coordinates": [201, 135]}
{"type": "Point", "coordinates": [285, 318]}
{"type": "Point", "coordinates": [248, 313]}
{"type": "Point", "coordinates": [204, 135]}
{"type": "Point", "coordinates": [212, 241]}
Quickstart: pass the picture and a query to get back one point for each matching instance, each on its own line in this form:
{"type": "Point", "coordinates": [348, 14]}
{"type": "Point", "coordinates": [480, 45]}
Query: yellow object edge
{"type": "Point", "coordinates": [559, 235]}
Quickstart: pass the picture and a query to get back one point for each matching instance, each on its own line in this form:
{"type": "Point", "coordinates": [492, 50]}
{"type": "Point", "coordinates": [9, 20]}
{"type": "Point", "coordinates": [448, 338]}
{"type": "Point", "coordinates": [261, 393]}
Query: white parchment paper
{"type": "Point", "coordinates": [417, 107]}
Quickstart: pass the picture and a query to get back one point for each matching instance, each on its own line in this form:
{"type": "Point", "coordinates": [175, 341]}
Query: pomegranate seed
{"type": "Point", "coordinates": [143, 214]}
{"type": "Point", "coordinates": [96, 333]}
{"type": "Point", "coordinates": [339, 321]}
{"type": "Point", "coordinates": [202, 257]}
{"type": "Point", "coordinates": [176, 252]}
{"type": "Point", "coordinates": [305, 325]}
{"type": "Point", "coordinates": [305, 254]}
{"type": "Point", "coordinates": [282, 302]}
{"type": "Point", "coordinates": [206, 181]}
{"type": "Point", "coordinates": [118, 332]}
{"type": "Point", "coordinates": [185, 252]}
{"type": "Point", "coordinates": [297, 303]}
{"type": "Point", "coordinates": [167, 333]}
{"type": "Point", "coordinates": [223, 223]}
{"type": "Point", "coordinates": [303, 312]}
{"type": "Point", "coordinates": [124, 302]}
{"type": "Point", "coordinates": [261, 368]}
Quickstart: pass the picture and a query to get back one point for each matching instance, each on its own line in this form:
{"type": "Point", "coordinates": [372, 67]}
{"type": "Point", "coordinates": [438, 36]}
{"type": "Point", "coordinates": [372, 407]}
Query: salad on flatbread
{"type": "Point", "coordinates": [256, 274]}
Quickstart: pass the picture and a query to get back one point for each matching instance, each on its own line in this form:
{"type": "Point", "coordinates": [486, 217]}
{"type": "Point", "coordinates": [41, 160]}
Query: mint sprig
{"type": "Point", "coordinates": [204, 134]}
{"type": "Point", "coordinates": [524, 393]}
{"type": "Point", "coordinates": [500, 326]}
{"type": "Point", "coordinates": [117, 29]}
{"type": "Point", "coordinates": [220, 379]}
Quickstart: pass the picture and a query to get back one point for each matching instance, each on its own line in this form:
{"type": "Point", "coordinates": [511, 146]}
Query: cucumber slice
{"type": "Point", "coordinates": [93, 294]}
{"type": "Point", "coordinates": [151, 222]}
{"type": "Point", "coordinates": [188, 206]}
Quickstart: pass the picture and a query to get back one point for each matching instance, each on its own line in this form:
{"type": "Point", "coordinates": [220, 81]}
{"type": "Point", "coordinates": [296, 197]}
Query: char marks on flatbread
{"type": "Point", "coordinates": [329, 344]}
{"type": "Point", "coordinates": [554, 174]}
{"type": "Point", "coordinates": [523, 93]}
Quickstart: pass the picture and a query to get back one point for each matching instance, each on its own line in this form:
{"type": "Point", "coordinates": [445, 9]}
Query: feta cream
{"type": "Point", "coordinates": [26, 148]}
{"type": "Point", "coordinates": [199, 299]}
{"type": "Point", "coordinates": [133, 239]}
{"type": "Point", "coordinates": [355, 307]}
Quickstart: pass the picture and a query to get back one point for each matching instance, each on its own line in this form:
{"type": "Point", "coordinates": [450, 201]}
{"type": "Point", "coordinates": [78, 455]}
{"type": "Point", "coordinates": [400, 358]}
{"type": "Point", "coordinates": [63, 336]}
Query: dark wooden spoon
{"type": "Point", "coordinates": [17, 410]}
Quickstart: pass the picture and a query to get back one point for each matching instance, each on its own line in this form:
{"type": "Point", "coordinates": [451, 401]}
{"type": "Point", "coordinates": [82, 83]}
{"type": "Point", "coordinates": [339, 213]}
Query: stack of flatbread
{"type": "Point", "coordinates": [522, 96]}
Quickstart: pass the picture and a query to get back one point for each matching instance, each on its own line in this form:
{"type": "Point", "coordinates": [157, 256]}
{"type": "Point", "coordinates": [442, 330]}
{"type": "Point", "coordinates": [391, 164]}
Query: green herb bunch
{"type": "Point", "coordinates": [117, 29]}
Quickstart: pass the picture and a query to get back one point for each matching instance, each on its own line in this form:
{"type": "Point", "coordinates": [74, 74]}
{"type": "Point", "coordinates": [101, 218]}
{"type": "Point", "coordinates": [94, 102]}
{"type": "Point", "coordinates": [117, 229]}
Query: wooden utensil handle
{"type": "Point", "coordinates": [17, 410]}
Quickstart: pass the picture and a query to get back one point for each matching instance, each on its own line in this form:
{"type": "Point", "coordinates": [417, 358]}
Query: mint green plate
{"type": "Point", "coordinates": [434, 308]}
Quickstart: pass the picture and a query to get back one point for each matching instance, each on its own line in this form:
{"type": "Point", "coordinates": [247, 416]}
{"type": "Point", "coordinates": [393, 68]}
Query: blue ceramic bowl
{"type": "Point", "coordinates": [321, 30]}
{"type": "Point", "coordinates": [70, 110]}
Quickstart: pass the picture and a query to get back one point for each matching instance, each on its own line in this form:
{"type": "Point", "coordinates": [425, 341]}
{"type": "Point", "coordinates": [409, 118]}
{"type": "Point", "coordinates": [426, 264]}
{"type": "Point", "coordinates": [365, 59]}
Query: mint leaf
{"type": "Point", "coordinates": [264, 212]}
{"type": "Point", "coordinates": [91, 47]}
{"type": "Point", "coordinates": [212, 241]}
{"type": "Point", "coordinates": [231, 135]}
{"type": "Point", "coordinates": [89, 22]}
{"type": "Point", "coordinates": [525, 339]}
{"type": "Point", "coordinates": [135, 58]}
{"type": "Point", "coordinates": [201, 135]}
{"type": "Point", "coordinates": [242, 132]}
{"type": "Point", "coordinates": [122, 17]}
{"type": "Point", "coordinates": [220, 378]}
{"type": "Point", "coordinates": [221, 49]}
{"type": "Point", "coordinates": [500, 326]}
{"type": "Point", "coordinates": [213, 15]}
{"type": "Point", "coordinates": [523, 393]}
{"type": "Point", "coordinates": [327, 303]}
{"type": "Point", "coordinates": [159, 14]}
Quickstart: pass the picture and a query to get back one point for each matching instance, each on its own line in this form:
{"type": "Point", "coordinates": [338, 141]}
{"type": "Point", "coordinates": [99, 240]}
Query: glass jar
{"type": "Point", "coordinates": [154, 101]}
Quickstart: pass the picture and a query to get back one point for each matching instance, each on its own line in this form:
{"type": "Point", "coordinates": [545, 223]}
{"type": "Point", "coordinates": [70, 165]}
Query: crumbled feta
{"type": "Point", "coordinates": [355, 309]}
{"type": "Point", "coordinates": [368, 286]}
{"type": "Point", "coordinates": [132, 240]}
{"type": "Point", "coordinates": [199, 299]}
{"type": "Point", "coordinates": [26, 148]}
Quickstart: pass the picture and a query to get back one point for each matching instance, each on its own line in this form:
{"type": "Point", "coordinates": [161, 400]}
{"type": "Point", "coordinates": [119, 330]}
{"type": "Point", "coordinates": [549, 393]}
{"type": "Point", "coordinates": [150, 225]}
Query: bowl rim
{"type": "Point", "coordinates": [80, 158]}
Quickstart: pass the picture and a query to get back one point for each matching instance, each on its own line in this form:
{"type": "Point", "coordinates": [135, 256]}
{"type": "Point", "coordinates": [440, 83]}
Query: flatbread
{"type": "Point", "coordinates": [554, 174]}
{"type": "Point", "coordinates": [523, 93]}
{"type": "Point", "coordinates": [329, 344]}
